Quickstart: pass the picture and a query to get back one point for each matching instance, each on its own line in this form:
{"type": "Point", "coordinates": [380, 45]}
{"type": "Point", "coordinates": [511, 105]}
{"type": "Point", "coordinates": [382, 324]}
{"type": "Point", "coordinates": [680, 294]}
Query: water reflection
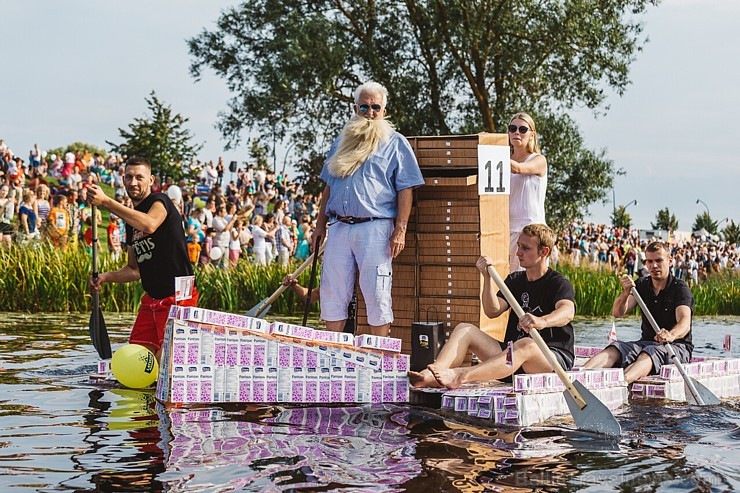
{"type": "Point", "coordinates": [59, 433]}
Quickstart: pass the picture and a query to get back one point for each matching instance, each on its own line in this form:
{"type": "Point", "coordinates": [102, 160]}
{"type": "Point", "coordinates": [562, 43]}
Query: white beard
{"type": "Point", "coordinates": [359, 140]}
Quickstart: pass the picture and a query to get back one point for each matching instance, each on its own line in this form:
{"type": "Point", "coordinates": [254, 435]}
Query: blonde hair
{"type": "Point", "coordinates": [532, 145]}
{"type": "Point", "coordinates": [545, 236]}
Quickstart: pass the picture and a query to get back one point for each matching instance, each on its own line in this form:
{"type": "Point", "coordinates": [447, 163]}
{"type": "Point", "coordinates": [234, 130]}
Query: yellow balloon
{"type": "Point", "coordinates": [134, 366]}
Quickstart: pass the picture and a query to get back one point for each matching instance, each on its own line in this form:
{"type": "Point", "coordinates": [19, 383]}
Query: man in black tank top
{"type": "Point", "coordinates": [547, 299]}
{"type": "Point", "coordinates": [157, 251]}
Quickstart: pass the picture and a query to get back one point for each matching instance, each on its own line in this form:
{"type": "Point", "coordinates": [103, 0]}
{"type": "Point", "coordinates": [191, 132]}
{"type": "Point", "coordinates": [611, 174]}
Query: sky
{"type": "Point", "coordinates": [79, 70]}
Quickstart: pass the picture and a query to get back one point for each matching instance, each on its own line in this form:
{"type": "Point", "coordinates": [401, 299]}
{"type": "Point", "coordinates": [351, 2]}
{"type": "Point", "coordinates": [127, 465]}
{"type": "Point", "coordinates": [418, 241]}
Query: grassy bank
{"type": "Point", "coordinates": [46, 279]}
{"type": "Point", "coordinates": [596, 290]}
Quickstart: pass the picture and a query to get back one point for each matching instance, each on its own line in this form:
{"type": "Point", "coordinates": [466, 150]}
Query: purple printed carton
{"type": "Point", "coordinates": [402, 389]}
{"type": "Point", "coordinates": [271, 385]}
{"type": "Point", "coordinates": [259, 352]}
{"type": "Point", "coordinates": [297, 385]}
{"type": "Point", "coordinates": [312, 384]}
{"type": "Point", "coordinates": [285, 356]}
{"type": "Point", "coordinates": [389, 344]}
{"type": "Point", "coordinates": [246, 347]}
{"type": "Point", "coordinates": [193, 343]}
{"type": "Point", "coordinates": [205, 393]}
{"type": "Point", "coordinates": [179, 344]}
{"type": "Point", "coordinates": [376, 386]}
{"type": "Point", "coordinates": [179, 379]}
{"type": "Point", "coordinates": [259, 384]}
{"type": "Point", "coordinates": [219, 348]}
{"type": "Point", "coordinates": [298, 357]}
{"type": "Point", "coordinates": [337, 384]}
{"type": "Point", "coordinates": [300, 332]}
{"type": "Point", "coordinates": [192, 383]}
{"type": "Point", "coordinates": [312, 359]}
{"type": "Point", "coordinates": [350, 384]}
{"type": "Point", "coordinates": [233, 338]}
{"type": "Point", "coordinates": [326, 336]}
{"type": "Point", "coordinates": [324, 389]}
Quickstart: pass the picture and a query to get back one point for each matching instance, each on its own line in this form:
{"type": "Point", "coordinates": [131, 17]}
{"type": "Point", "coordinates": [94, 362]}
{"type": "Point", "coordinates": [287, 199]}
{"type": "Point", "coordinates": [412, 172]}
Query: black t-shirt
{"type": "Point", "coordinates": [539, 298]}
{"type": "Point", "coordinates": [162, 255]}
{"type": "Point", "coordinates": [663, 306]}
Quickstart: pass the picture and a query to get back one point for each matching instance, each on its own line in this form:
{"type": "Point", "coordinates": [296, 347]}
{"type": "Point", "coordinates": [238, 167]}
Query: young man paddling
{"type": "Point", "coordinates": [546, 297]}
{"type": "Point", "coordinates": [671, 303]}
{"type": "Point", "coordinates": [157, 251]}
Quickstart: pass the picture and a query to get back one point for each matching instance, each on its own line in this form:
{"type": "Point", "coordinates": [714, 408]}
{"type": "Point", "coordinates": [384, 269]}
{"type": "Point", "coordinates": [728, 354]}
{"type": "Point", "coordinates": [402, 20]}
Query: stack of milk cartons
{"type": "Point", "coordinates": [212, 356]}
{"type": "Point", "coordinates": [720, 376]}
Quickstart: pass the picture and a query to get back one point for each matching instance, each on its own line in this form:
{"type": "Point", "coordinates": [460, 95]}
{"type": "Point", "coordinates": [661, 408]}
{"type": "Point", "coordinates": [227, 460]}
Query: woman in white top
{"type": "Point", "coordinates": [260, 245]}
{"type": "Point", "coordinates": [528, 181]}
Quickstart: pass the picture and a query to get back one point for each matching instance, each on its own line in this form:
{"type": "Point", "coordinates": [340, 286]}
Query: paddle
{"type": "Point", "coordinates": [588, 412]}
{"type": "Point", "coordinates": [263, 306]}
{"type": "Point", "coordinates": [98, 332]}
{"type": "Point", "coordinates": [311, 280]}
{"type": "Point", "coordinates": [696, 393]}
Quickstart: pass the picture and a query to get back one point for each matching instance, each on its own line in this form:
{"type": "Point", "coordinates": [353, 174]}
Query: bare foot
{"type": "Point", "coordinates": [449, 378]}
{"type": "Point", "coordinates": [422, 379]}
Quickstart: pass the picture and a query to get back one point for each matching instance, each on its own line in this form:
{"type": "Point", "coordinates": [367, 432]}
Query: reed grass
{"type": "Point", "coordinates": [596, 288]}
{"type": "Point", "coordinates": [47, 279]}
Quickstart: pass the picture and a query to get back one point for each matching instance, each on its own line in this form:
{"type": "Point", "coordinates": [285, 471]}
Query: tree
{"type": "Point", "coordinates": [453, 66]}
{"type": "Point", "coordinates": [78, 147]}
{"type": "Point", "coordinates": [258, 153]}
{"type": "Point", "coordinates": [704, 220]}
{"type": "Point", "coordinates": [665, 220]}
{"type": "Point", "coordinates": [731, 233]}
{"type": "Point", "coordinates": [620, 218]}
{"type": "Point", "coordinates": [161, 138]}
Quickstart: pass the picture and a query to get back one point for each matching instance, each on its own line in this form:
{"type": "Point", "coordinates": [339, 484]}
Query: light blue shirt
{"type": "Point", "coordinates": [372, 190]}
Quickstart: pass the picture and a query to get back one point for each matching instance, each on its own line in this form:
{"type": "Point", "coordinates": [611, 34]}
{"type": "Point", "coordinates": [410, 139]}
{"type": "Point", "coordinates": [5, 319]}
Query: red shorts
{"type": "Point", "coordinates": [149, 326]}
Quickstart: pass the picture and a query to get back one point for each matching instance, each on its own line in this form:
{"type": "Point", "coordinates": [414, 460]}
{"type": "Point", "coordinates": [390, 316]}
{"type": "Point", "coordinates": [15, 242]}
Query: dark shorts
{"type": "Point", "coordinates": [565, 360]}
{"type": "Point", "coordinates": [657, 352]}
{"type": "Point", "coordinates": [6, 229]}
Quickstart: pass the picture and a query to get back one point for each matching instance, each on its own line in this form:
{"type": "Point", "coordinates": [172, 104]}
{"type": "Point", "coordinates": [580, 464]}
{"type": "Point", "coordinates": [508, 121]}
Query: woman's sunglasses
{"type": "Point", "coordinates": [367, 107]}
{"type": "Point", "coordinates": [522, 129]}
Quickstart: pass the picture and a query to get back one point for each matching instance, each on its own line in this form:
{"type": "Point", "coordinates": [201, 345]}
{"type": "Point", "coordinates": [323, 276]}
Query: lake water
{"type": "Point", "coordinates": [59, 433]}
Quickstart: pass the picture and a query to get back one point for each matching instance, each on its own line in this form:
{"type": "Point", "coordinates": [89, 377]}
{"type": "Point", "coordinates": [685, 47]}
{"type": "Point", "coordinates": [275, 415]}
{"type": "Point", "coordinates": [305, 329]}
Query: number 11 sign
{"type": "Point", "coordinates": [494, 169]}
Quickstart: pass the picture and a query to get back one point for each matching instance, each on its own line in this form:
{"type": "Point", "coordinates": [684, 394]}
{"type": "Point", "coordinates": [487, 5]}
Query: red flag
{"type": "Point", "coordinates": [510, 354]}
{"type": "Point", "coordinates": [613, 333]}
{"type": "Point", "coordinates": [727, 346]}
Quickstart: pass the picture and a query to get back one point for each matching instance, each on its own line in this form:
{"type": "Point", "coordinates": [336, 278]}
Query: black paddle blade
{"type": "Point", "coordinates": [99, 333]}
{"type": "Point", "coordinates": [595, 417]}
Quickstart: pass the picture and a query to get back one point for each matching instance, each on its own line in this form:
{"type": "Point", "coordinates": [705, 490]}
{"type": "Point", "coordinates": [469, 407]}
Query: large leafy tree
{"type": "Point", "coordinates": [704, 220]}
{"type": "Point", "coordinates": [160, 137]}
{"type": "Point", "coordinates": [665, 220]}
{"type": "Point", "coordinates": [451, 66]}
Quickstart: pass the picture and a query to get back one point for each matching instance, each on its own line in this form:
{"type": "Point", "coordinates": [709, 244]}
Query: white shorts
{"type": "Point", "coordinates": [349, 248]}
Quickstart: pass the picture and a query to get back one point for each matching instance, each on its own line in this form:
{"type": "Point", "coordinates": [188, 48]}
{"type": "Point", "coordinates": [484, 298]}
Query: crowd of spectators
{"type": "Point", "coordinates": [694, 257]}
{"type": "Point", "coordinates": [260, 216]}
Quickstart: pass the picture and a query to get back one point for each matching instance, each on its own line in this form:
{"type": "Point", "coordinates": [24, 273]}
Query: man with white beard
{"type": "Point", "coordinates": [370, 173]}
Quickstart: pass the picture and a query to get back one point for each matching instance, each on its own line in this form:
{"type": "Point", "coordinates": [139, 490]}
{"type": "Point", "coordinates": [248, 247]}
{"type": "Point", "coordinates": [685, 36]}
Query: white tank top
{"type": "Point", "coordinates": [527, 199]}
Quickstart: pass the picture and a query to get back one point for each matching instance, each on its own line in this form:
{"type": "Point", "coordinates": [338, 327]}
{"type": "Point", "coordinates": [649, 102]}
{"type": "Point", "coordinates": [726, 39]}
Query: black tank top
{"type": "Point", "coordinates": [162, 255]}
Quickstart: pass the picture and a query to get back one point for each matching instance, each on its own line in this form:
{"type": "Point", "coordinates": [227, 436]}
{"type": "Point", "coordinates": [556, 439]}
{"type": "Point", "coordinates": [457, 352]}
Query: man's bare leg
{"type": "Point", "coordinates": [605, 359]}
{"type": "Point", "coordinates": [380, 330]}
{"type": "Point", "coordinates": [465, 337]}
{"type": "Point", "coordinates": [642, 367]}
{"type": "Point", "coordinates": [336, 326]}
{"type": "Point", "coordinates": [526, 355]}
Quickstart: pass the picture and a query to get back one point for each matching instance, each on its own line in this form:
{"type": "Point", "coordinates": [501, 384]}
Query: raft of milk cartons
{"type": "Point", "coordinates": [217, 357]}
{"type": "Point", "coordinates": [535, 398]}
{"type": "Point", "coordinates": [720, 376]}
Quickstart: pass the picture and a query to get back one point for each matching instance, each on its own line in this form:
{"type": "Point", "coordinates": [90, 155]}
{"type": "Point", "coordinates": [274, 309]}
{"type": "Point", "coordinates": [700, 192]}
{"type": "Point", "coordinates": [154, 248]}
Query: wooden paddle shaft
{"type": "Point", "coordinates": [674, 357]}
{"type": "Point", "coordinates": [535, 335]}
{"type": "Point", "coordinates": [269, 301]}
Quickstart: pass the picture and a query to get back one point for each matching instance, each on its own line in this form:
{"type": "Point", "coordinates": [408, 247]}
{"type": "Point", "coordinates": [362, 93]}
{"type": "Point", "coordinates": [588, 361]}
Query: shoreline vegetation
{"type": "Point", "coordinates": [56, 280]}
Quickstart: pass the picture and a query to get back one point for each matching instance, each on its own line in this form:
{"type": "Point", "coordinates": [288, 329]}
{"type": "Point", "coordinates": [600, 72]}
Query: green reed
{"type": "Point", "coordinates": [50, 279]}
{"type": "Point", "coordinates": [596, 288]}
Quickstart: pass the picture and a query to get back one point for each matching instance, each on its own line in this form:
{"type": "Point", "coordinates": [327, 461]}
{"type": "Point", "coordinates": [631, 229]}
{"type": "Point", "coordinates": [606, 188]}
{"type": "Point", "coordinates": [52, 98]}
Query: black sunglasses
{"type": "Point", "coordinates": [367, 107]}
{"type": "Point", "coordinates": [522, 129]}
